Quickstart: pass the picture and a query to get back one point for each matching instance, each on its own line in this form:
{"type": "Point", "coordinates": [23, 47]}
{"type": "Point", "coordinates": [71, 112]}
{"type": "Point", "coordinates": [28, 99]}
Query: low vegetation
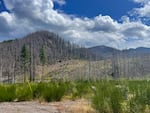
{"type": "Point", "coordinates": [122, 96]}
{"type": "Point", "coordinates": [106, 96]}
{"type": "Point", "coordinates": [25, 92]}
{"type": "Point", "coordinates": [52, 91]}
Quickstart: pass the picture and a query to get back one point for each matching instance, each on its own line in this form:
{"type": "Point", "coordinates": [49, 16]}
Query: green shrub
{"type": "Point", "coordinates": [141, 97]}
{"type": "Point", "coordinates": [23, 92]}
{"type": "Point", "coordinates": [107, 98]}
{"type": "Point", "coordinates": [80, 89]}
{"type": "Point", "coordinates": [50, 91]}
{"type": "Point", "coordinates": [7, 93]}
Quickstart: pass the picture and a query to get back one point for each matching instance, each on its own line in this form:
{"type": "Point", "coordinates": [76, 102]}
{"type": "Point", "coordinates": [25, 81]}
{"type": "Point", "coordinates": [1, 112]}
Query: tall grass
{"type": "Point", "coordinates": [22, 92]}
{"type": "Point", "coordinates": [141, 96]}
{"type": "Point", "coordinates": [53, 91]}
{"type": "Point", "coordinates": [80, 89]}
{"type": "Point", "coordinates": [122, 96]}
{"type": "Point", "coordinates": [7, 93]}
{"type": "Point", "coordinates": [107, 96]}
{"type": "Point", "coordinates": [50, 91]}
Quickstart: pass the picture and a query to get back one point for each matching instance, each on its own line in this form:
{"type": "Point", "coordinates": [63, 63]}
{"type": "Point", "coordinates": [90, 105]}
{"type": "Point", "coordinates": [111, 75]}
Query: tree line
{"type": "Point", "coordinates": [20, 59]}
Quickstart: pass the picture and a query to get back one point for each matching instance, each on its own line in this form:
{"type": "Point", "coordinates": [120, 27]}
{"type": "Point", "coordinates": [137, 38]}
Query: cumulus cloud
{"type": "Point", "coordinates": [31, 15]}
{"type": "Point", "coordinates": [144, 10]}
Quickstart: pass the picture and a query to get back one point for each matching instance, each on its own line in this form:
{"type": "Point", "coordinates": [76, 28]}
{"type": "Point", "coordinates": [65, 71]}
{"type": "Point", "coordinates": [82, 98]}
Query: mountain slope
{"type": "Point", "coordinates": [103, 51]}
{"type": "Point", "coordinates": [108, 52]}
{"type": "Point", "coordinates": [56, 49]}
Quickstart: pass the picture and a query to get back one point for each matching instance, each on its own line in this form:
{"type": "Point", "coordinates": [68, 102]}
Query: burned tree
{"type": "Point", "coordinates": [43, 58]}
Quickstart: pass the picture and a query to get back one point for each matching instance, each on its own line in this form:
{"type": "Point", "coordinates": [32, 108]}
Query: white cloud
{"type": "Point", "coordinates": [60, 2]}
{"type": "Point", "coordinates": [141, 1]}
{"type": "Point", "coordinates": [144, 10]}
{"type": "Point", "coordinates": [31, 15]}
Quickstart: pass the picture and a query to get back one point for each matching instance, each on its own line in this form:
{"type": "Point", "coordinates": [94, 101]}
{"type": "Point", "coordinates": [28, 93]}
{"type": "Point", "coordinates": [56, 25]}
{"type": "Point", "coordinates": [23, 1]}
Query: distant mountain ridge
{"type": "Point", "coordinates": [107, 52]}
{"type": "Point", "coordinates": [103, 51]}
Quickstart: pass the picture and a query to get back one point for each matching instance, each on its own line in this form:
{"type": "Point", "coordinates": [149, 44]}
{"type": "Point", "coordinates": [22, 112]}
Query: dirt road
{"type": "Point", "coordinates": [78, 106]}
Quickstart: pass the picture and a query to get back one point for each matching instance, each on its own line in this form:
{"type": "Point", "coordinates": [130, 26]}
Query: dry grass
{"type": "Point", "coordinates": [81, 106]}
{"type": "Point", "coordinates": [74, 69]}
{"type": "Point", "coordinates": [64, 68]}
{"type": "Point", "coordinates": [77, 106]}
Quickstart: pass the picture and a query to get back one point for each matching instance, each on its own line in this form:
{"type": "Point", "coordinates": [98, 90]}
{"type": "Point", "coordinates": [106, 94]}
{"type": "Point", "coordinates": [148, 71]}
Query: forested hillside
{"type": "Point", "coordinates": [128, 63]}
{"type": "Point", "coordinates": [22, 56]}
{"type": "Point", "coordinates": [44, 54]}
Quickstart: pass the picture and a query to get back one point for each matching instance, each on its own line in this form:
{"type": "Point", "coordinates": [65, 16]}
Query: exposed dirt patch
{"type": "Point", "coordinates": [78, 106]}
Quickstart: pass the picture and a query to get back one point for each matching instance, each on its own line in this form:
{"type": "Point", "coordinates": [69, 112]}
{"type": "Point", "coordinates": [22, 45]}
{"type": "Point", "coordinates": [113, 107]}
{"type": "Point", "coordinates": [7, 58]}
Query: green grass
{"type": "Point", "coordinates": [80, 89]}
{"type": "Point", "coordinates": [107, 96]}
{"type": "Point", "coordinates": [122, 96]}
{"type": "Point", "coordinates": [50, 91]}
{"type": "Point", "coordinates": [7, 93]}
{"type": "Point", "coordinates": [53, 91]}
{"type": "Point", "coordinates": [34, 91]}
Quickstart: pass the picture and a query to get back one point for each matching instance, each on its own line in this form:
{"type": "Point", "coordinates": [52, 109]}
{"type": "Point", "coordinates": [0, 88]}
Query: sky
{"type": "Point", "coordinates": [116, 23]}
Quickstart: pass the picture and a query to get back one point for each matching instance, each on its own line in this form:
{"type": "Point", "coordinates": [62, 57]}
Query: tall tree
{"type": "Point", "coordinates": [14, 66]}
{"type": "Point", "coordinates": [32, 61]}
{"type": "Point", "coordinates": [1, 65]}
{"type": "Point", "coordinates": [25, 58]}
{"type": "Point", "coordinates": [115, 68]}
{"type": "Point", "coordinates": [43, 58]}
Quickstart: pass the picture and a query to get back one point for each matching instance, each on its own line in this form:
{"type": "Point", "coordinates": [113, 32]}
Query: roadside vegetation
{"type": "Point", "coordinates": [106, 96]}
{"type": "Point", "coordinates": [52, 91]}
{"type": "Point", "coordinates": [122, 96]}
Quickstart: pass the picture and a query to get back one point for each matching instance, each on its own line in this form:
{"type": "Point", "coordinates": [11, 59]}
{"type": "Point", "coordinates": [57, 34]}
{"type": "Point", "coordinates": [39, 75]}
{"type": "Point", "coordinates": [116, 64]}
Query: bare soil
{"type": "Point", "coordinates": [67, 106]}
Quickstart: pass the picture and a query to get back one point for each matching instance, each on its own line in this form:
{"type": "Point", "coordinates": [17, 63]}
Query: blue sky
{"type": "Point", "coordinates": [2, 6]}
{"type": "Point", "coordinates": [116, 23]}
{"type": "Point", "coordinates": [91, 8]}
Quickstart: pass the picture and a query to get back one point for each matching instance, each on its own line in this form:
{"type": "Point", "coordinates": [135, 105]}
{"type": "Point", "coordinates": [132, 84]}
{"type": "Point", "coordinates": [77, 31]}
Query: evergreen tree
{"type": "Point", "coordinates": [25, 58]}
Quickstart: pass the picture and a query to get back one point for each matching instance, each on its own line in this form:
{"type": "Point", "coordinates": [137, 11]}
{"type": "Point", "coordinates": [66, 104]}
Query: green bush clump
{"type": "Point", "coordinates": [23, 92]}
{"type": "Point", "coordinates": [116, 96]}
{"type": "Point", "coordinates": [7, 93]}
{"type": "Point", "coordinates": [50, 91]}
{"type": "Point", "coordinates": [107, 98]}
{"type": "Point", "coordinates": [141, 98]}
{"type": "Point", "coordinates": [80, 89]}
{"type": "Point", "coordinates": [40, 91]}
